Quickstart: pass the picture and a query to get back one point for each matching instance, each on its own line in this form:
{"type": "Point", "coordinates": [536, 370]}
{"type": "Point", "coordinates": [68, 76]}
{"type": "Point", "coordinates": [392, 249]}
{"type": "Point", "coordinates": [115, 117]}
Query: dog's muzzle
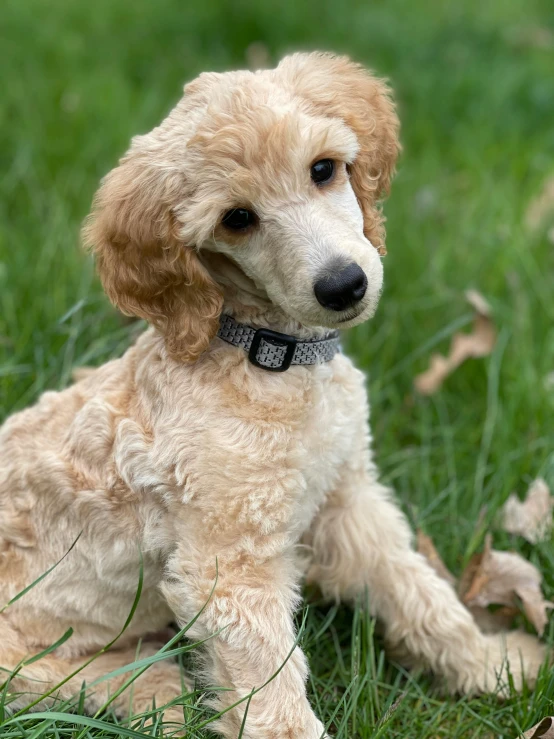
{"type": "Point", "coordinates": [342, 288]}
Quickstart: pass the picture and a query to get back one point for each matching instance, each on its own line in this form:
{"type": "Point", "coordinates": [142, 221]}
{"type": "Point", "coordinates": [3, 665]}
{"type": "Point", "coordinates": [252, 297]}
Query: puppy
{"type": "Point", "coordinates": [233, 437]}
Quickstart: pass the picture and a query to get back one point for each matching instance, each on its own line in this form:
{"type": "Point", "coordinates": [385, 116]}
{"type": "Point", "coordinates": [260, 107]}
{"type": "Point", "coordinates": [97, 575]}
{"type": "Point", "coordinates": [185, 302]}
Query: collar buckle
{"type": "Point", "coordinates": [276, 339]}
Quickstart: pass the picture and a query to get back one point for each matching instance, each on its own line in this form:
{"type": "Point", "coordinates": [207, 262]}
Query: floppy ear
{"type": "Point", "coordinates": [145, 268]}
{"type": "Point", "coordinates": [336, 87]}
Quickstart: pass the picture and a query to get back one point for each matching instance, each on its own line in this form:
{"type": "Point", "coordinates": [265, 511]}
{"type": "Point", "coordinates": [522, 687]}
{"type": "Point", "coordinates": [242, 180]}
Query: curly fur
{"type": "Point", "coordinates": [206, 462]}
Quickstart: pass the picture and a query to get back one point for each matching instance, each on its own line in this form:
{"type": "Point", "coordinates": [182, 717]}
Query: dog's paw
{"type": "Point", "coordinates": [509, 660]}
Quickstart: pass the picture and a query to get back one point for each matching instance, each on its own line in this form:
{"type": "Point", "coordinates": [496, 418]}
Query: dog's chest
{"type": "Point", "coordinates": [235, 450]}
{"type": "Point", "coordinates": [333, 422]}
{"type": "Point", "coordinates": [265, 452]}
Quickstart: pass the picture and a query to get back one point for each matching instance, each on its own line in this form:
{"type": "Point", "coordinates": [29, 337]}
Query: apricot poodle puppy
{"type": "Point", "coordinates": [234, 434]}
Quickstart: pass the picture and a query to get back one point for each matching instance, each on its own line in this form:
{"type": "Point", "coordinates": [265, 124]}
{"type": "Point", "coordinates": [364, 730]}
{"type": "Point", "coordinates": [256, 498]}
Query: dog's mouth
{"type": "Point", "coordinates": [351, 316]}
{"type": "Point", "coordinates": [357, 314]}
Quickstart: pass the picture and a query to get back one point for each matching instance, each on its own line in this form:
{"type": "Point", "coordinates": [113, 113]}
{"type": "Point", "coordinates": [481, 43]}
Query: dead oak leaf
{"type": "Point", "coordinates": [426, 547]}
{"type": "Point", "coordinates": [531, 518]}
{"type": "Point", "coordinates": [479, 303]}
{"type": "Point", "coordinates": [543, 730]}
{"type": "Point", "coordinates": [82, 373]}
{"type": "Point", "coordinates": [488, 621]}
{"type": "Point", "coordinates": [258, 56]}
{"type": "Point", "coordinates": [504, 578]}
{"type": "Point", "coordinates": [479, 343]}
{"type": "Point", "coordinates": [477, 592]}
{"type": "Point", "coordinates": [493, 622]}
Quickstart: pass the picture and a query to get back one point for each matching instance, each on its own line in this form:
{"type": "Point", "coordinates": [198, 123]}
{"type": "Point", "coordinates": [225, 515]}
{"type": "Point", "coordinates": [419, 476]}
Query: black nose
{"type": "Point", "coordinates": [341, 289]}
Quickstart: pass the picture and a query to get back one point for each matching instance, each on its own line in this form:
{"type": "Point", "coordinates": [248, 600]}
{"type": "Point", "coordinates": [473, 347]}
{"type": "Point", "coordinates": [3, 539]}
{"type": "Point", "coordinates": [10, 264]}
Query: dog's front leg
{"type": "Point", "coordinates": [361, 541]}
{"type": "Point", "coordinates": [250, 615]}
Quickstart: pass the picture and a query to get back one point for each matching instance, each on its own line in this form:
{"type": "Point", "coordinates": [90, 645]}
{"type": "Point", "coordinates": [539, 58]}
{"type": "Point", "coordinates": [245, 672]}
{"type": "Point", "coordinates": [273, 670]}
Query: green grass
{"type": "Point", "coordinates": [474, 84]}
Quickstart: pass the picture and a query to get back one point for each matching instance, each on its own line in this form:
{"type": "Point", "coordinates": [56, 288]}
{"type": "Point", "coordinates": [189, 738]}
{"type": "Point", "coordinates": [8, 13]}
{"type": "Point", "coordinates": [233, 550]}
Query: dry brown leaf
{"type": "Point", "coordinates": [479, 303]}
{"type": "Point", "coordinates": [475, 586]}
{"type": "Point", "coordinates": [541, 208]}
{"type": "Point", "coordinates": [258, 56]}
{"type": "Point", "coordinates": [426, 547]}
{"type": "Point", "coordinates": [503, 578]}
{"type": "Point", "coordinates": [479, 343]}
{"type": "Point", "coordinates": [493, 622]}
{"type": "Point", "coordinates": [81, 373]}
{"type": "Point", "coordinates": [531, 518]}
{"type": "Point", "coordinates": [543, 730]}
{"type": "Point", "coordinates": [489, 622]}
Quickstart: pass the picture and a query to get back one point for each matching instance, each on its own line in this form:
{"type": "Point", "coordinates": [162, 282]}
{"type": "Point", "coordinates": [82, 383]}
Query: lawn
{"type": "Point", "coordinates": [475, 85]}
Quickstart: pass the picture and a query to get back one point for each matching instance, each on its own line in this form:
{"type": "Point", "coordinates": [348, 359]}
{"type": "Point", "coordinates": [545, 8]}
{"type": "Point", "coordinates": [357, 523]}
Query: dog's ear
{"type": "Point", "coordinates": [337, 87]}
{"type": "Point", "coordinates": [145, 268]}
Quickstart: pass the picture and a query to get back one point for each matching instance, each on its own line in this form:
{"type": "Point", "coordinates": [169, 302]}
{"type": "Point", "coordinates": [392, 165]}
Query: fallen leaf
{"type": "Point", "coordinates": [541, 209]}
{"type": "Point", "coordinates": [491, 578]}
{"type": "Point", "coordinates": [479, 343]}
{"type": "Point", "coordinates": [503, 578]}
{"type": "Point", "coordinates": [478, 303]}
{"type": "Point", "coordinates": [426, 547]}
{"type": "Point", "coordinates": [490, 622]}
{"type": "Point", "coordinates": [543, 730]}
{"type": "Point", "coordinates": [81, 373]}
{"type": "Point", "coordinates": [493, 622]}
{"type": "Point", "coordinates": [531, 518]}
{"type": "Point", "coordinates": [258, 56]}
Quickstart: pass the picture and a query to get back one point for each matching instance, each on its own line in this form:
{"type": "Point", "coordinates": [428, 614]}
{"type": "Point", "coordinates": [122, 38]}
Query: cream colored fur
{"type": "Point", "coordinates": [184, 448]}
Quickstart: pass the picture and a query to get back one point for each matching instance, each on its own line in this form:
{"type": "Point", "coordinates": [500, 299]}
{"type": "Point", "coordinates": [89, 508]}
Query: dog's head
{"type": "Point", "coordinates": [280, 171]}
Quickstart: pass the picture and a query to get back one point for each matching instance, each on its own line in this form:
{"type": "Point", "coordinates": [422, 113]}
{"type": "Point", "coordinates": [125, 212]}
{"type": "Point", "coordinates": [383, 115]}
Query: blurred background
{"type": "Point", "coordinates": [472, 207]}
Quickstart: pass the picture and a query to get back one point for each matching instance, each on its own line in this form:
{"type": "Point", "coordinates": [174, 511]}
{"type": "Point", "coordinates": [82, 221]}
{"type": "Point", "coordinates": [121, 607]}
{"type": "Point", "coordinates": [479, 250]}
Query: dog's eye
{"type": "Point", "coordinates": [238, 219]}
{"type": "Point", "coordinates": [322, 171]}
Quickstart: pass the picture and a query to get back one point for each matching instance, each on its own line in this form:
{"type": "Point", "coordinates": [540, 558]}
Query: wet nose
{"type": "Point", "coordinates": [341, 289]}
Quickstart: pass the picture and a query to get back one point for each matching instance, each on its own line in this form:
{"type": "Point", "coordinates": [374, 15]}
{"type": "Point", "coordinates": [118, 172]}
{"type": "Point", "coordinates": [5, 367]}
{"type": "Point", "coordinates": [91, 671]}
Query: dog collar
{"type": "Point", "coordinates": [274, 351]}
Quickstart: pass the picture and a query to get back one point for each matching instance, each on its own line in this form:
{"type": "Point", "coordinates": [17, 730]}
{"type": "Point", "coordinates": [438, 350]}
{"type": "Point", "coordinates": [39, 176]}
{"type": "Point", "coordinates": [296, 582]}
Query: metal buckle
{"type": "Point", "coordinates": [277, 339]}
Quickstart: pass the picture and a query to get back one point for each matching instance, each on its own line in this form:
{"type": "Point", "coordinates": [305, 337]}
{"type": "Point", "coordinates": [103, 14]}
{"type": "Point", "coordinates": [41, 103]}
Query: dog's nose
{"type": "Point", "coordinates": [342, 289]}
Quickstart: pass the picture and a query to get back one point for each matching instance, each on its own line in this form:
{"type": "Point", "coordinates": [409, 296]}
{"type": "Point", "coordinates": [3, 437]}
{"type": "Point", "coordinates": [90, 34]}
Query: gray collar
{"type": "Point", "coordinates": [275, 351]}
